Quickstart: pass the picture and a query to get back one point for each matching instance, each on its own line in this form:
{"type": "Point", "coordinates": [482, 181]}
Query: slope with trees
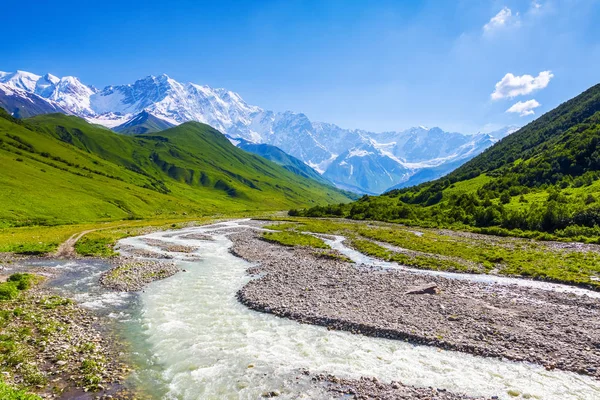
{"type": "Point", "coordinates": [543, 178]}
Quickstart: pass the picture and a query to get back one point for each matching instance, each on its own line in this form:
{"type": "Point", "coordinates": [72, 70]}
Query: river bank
{"type": "Point", "coordinates": [196, 339]}
{"type": "Point", "coordinates": [53, 347]}
{"type": "Point", "coordinates": [555, 330]}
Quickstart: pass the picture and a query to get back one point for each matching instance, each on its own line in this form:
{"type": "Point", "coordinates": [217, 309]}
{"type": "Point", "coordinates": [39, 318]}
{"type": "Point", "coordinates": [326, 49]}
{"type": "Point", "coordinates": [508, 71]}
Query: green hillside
{"type": "Point", "coordinates": [144, 122]}
{"type": "Point", "coordinates": [544, 178]}
{"type": "Point", "coordinates": [280, 157]}
{"type": "Point", "coordinates": [61, 169]}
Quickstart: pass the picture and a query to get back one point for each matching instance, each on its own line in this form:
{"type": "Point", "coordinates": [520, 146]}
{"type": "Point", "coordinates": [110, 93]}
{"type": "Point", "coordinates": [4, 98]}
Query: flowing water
{"type": "Point", "coordinates": [193, 340]}
{"type": "Point", "coordinates": [338, 244]}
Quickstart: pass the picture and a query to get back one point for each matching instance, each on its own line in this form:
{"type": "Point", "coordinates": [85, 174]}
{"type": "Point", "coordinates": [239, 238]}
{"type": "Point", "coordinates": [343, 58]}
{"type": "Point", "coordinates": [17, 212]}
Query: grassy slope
{"type": "Point", "coordinates": [550, 145]}
{"type": "Point", "coordinates": [543, 178]}
{"type": "Point", "coordinates": [537, 136]}
{"type": "Point", "coordinates": [60, 169]}
{"type": "Point", "coordinates": [459, 252]}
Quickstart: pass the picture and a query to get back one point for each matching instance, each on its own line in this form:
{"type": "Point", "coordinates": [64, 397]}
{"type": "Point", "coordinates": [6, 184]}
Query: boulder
{"type": "Point", "coordinates": [430, 288]}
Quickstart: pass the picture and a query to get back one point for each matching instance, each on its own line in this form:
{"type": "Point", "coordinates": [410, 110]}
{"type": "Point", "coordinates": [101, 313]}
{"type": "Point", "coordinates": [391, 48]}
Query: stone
{"type": "Point", "coordinates": [430, 288]}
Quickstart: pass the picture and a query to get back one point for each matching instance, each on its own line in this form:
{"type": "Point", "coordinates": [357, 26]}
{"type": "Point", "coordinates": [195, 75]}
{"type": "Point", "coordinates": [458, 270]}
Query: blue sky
{"type": "Point", "coordinates": [382, 65]}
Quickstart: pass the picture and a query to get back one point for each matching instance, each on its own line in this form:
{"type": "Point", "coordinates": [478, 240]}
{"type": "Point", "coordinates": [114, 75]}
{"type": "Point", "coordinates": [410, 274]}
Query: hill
{"type": "Point", "coordinates": [61, 169]}
{"type": "Point", "coordinates": [280, 157]}
{"type": "Point", "coordinates": [144, 122]}
{"type": "Point", "coordinates": [155, 103]}
{"type": "Point", "coordinates": [544, 177]}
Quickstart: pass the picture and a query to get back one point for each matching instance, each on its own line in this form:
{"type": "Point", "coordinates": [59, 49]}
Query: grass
{"type": "Point", "coordinates": [416, 261]}
{"type": "Point", "coordinates": [46, 239]}
{"type": "Point", "coordinates": [100, 243]}
{"type": "Point", "coordinates": [17, 342]}
{"type": "Point", "coordinates": [291, 239]}
{"type": "Point", "coordinates": [9, 393]}
{"type": "Point", "coordinates": [461, 252]}
{"type": "Point", "coordinates": [15, 284]}
{"type": "Point", "coordinates": [61, 170]}
{"type": "Point", "coordinates": [29, 322]}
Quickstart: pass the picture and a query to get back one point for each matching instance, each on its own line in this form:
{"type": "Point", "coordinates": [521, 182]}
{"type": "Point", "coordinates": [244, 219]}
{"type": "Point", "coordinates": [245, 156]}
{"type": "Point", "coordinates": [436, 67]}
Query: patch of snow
{"type": "Point", "coordinates": [359, 153]}
{"type": "Point", "coordinates": [109, 120]}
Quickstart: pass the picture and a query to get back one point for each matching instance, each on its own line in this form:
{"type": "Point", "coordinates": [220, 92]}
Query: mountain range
{"type": "Point", "coordinates": [358, 160]}
{"type": "Point", "coordinates": [543, 178]}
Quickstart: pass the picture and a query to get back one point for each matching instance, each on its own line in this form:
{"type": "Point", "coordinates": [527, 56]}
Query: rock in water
{"type": "Point", "coordinates": [430, 288]}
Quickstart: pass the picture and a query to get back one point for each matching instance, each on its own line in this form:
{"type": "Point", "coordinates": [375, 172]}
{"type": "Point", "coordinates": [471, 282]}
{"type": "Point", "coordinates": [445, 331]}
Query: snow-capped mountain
{"type": "Point", "coordinates": [67, 93]}
{"type": "Point", "coordinates": [366, 169]}
{"type": "Point", "coordinates": [436, 168]}
{"type": "Point", "coordinates": [365, 161]}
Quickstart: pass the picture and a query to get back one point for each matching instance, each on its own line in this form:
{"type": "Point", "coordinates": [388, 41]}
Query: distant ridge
{"type": "Point", "coordinates": [156, 102]}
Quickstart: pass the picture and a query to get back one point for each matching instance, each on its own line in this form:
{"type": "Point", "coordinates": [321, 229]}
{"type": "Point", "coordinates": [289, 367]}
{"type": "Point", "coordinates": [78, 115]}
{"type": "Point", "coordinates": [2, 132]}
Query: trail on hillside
{"type": "Point", "coordinates": [67, 248]}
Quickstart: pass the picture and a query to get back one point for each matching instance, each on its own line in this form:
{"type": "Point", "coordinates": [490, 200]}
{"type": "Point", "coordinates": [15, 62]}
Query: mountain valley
{"type": "Point", "coordinates": [154, 103]}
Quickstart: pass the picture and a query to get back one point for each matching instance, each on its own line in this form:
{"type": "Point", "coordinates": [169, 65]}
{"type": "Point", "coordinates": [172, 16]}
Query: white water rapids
{"type": "Point", "coordinates": [198, 342]}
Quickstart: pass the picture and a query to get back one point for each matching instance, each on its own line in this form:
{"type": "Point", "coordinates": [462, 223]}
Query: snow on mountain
{"type": "Point", "coordinates": [20, 80]}
{"type": "Point", "coordinates": [68, 92]}
{"type": "Point", "coordinates": [22, 104]}
{"type": "Point", "coordinates": [366, 169]}
{"type": "Point", "coordinates": [73, 95]}
{"type": "Point", "coordinates": [436, 168]}
{"type": "Point", "coordinates": [45, 85]}
{"type": "Point", "coordinates": [382, 158]}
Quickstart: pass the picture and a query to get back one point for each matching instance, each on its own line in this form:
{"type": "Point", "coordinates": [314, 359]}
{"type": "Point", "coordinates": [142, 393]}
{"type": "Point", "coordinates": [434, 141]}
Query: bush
{"type": "Point", "coordinates": [22, 281]}
{"type": "Point", "coordinates": [16, 282]}
{"type": "Point", "coordinates": [8, 291]}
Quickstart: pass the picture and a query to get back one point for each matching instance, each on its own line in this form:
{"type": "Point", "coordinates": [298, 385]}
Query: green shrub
{"type": "Point", "coordinates": [22, 281]}
{"type": "Point", "coordinates": [8, 291]}
{"type": "Point", "coordinates": [8, 393]}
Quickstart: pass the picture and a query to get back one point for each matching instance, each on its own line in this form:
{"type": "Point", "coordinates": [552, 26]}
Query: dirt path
{"type": "Point", "coordinates": [67, 248]}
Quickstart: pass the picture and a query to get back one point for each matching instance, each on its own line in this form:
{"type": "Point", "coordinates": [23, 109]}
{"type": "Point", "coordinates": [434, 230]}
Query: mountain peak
{"type": "Point", "coordinates": [152, 103]}
{"type": "Point", "coordinates": [21, 80]}
{"type": "Point", "coordinates": [51, 78]}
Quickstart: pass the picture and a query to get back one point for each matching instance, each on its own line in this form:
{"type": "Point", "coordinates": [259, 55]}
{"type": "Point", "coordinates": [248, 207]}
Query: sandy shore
{"type": "Point", "coordinates": [556, 330]}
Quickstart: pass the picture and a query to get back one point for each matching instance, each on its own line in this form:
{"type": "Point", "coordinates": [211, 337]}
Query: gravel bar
{"type": "Point", "coordinates": [132, 275]}
{"type": "Point", "coordinates": [556, 330]}
{"type": "Point", "coordinates": [371, 388]}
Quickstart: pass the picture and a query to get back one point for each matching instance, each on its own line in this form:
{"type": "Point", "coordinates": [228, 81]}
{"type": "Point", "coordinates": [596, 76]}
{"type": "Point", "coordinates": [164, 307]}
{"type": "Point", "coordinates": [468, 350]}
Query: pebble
{"type": "Point", "coordinates": [476, 318]}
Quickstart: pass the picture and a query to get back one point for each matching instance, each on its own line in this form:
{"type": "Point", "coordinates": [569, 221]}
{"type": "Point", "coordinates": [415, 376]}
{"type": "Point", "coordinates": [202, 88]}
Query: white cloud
{"type": "Point", "coordinates": [524, 108]}
{"type": "Point", "coordinates": [504, 18]}
{"type": "Point", "coordinates": [512, 86]}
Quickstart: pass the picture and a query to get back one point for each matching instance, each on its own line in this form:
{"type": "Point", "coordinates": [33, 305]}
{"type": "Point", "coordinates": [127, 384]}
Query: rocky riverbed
{"type": "Point", "coordinates": [132, 274]}
{"type": "Point", "coordinates": [371, 388]}
{"type": "Point", "coordinates": [556, 330]}
{"type": "Point", "coordinates": [56, 348]}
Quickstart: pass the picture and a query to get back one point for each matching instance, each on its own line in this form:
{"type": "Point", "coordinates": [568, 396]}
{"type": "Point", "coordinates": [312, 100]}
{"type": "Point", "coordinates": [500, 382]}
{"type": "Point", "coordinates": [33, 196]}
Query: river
{"type": "Point", "coordinates": [191, 338]}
